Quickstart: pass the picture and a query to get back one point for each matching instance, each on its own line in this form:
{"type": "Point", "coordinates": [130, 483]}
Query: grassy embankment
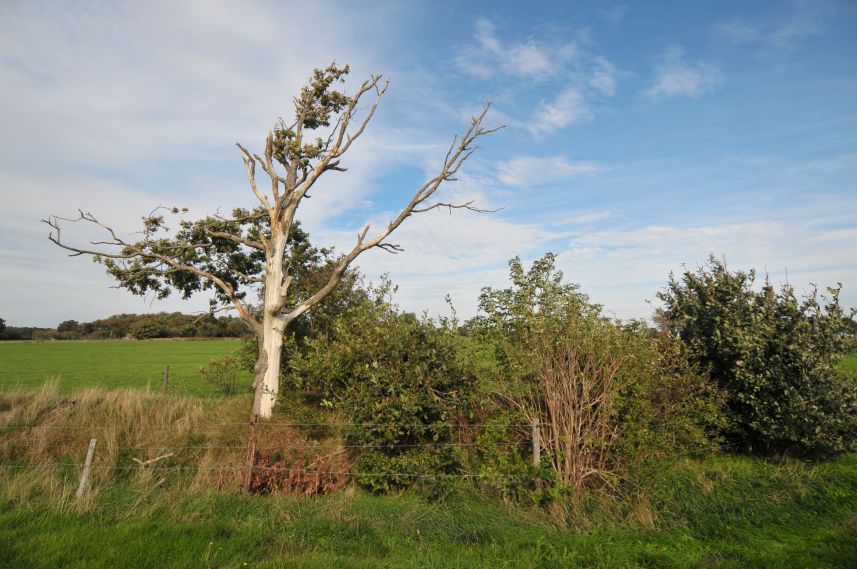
{"type": "Point", "coordinates": [111, 364]}
{"type": "Point", "coordinates": [713, 511]}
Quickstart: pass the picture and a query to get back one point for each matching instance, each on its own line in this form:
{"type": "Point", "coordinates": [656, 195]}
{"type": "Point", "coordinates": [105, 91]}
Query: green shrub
{"type": "Point", "coordinates": [773, 354]}
{"type": "Point", "coordinates": [605, 394]}
{"type": "Point", "coordinates": [667, 407]}
{"type": "Point", "coordinates": [397, 379]}
{"type": "Point", "coordinates": [222, 373]}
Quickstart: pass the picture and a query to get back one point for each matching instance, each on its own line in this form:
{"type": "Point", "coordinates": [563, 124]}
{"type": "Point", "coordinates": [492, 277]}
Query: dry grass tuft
{"type": "Point", "coordinates": [150, 439]}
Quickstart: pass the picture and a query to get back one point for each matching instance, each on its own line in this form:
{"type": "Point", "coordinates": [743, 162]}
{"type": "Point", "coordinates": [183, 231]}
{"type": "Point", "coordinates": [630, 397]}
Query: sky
{"type": "Point", "coordinates": [639, 138]}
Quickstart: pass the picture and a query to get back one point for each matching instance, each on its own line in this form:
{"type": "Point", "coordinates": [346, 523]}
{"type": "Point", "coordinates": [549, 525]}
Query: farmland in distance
{"type": "Point", "coordinates": [136, 364]}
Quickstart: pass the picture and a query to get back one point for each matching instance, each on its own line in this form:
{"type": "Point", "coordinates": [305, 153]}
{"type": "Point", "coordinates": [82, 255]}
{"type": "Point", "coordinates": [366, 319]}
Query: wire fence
{"type": "Point", "coordinates": [267, 468]}
{"type": "Point", "coordinates": [524, 441]}
{"type": "Point", "coordinates": [289, 424]}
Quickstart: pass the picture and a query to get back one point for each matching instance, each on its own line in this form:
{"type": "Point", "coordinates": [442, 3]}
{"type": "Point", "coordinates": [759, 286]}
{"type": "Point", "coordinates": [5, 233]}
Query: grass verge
{"type": "Point", "coordinates": [713, 511]}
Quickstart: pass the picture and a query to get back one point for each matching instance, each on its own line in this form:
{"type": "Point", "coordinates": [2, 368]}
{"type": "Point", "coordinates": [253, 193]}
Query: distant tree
{"type": "Point", "coordinates": [146, 328]}
{"type": "Point", "coordinates": [2, 325]}
{"type": "Point", "coordinates": [68, 326]}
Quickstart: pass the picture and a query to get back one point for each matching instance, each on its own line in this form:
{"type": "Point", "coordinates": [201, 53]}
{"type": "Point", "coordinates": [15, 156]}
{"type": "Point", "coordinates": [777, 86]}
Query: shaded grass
{"type": "Point", "coordinates": [716, 511]}
{"type": "Point", "coordinates": [116, 364]}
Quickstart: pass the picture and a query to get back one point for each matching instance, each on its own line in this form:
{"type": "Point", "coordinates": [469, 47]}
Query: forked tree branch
{"type": "Point", "coordinates": [459, 151]}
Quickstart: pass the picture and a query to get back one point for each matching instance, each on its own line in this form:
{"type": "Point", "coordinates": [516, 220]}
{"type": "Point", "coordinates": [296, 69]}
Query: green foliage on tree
{"type": "Point", "coordinates": [775, 355]}
{"type": "Point", "coordinates": [68, 326]}
{"type": "Point", "coordinates": [146, 329]}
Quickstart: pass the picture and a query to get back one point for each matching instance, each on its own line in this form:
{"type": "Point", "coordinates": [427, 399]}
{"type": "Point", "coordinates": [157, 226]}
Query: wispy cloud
{"type": "Point", "coordinates": [675, 75]}
{"type": "Point", "coordinates": [779, 39]}
{"type": "Point", "coordinates": [568, 108]}
{"type": "Point", "coordinates": [603, 77]}
{"type": "Point", "coordinates": [574, 75]}
{"type": "Point", "coordinates": [586, 218]}
{"type": "Point", "coordinates": [614, 14]}
{"type": "Point", "coordinates": [528, 171]}
{"type": "Point", "coordinates": [623, 268]}
{"type": "Point", "coordinates": [530, 58]}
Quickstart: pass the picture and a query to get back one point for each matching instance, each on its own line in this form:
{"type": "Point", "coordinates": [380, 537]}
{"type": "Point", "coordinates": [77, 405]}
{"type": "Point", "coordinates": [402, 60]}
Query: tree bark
{"type": "Point", "coordinates": [268, 385]}
{"type": "Point", "coordinates": [273, 322]}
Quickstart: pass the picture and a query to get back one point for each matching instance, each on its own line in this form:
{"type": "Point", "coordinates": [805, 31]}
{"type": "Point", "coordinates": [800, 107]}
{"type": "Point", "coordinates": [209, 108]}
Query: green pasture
{"type": "Point", "coordinates": [111, 363]}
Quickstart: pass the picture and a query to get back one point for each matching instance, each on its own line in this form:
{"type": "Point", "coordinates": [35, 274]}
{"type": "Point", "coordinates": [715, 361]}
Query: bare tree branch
{"type": "Point", "coordinates": [459, 152]}
{"type": "Point", "coordinates": [467, 205]}
{"type": "Point", "coordinates": [236, 239]}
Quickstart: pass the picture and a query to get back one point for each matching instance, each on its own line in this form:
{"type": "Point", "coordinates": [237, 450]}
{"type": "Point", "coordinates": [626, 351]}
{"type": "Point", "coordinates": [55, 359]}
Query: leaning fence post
{"type": "Point", "coordinates": [166, 377]}
{"type": "Point", "coordinates": [90, 454]}
{"type": "Point", "coordinates": [537, 443]}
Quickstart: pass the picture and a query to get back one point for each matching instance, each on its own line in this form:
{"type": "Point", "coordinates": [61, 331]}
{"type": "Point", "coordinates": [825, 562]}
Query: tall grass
{"type": "Point", "coordinates": [142, 437]}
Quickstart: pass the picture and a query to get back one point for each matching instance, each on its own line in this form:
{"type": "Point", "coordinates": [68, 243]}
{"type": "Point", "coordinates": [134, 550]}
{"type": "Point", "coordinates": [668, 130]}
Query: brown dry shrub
{"type": "Point", "coordinates": [288, 463]}
{"type": "Point", "coordinates": [276, 475]}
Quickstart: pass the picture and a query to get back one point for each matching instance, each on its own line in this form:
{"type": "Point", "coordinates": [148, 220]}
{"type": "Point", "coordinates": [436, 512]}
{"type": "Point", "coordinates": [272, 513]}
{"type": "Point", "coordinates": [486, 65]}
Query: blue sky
{"type": "Point", "coordinates": [638, 137]}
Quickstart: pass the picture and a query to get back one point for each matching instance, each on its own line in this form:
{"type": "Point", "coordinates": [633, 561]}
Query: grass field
{"type": "Point", "coordinates": [111, 364]}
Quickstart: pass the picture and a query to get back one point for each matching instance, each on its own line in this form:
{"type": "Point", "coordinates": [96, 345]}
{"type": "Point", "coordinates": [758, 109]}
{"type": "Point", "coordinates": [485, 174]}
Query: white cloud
{"type": "Point", "coordinates": [738, 31]}
{"type": "Point", "coordinates": [454, 254]}
{"type": "Point", "coordinates": [529, 171]}
{"type": "Point", "coordinates": [111, 86]}
{"type": "Point", "coordinates": [568, 108]}
{"type": "Point", "coordinates": [579, 74]}
{"type": "Point", "coordinates": [622, 268]}
{"type": "Point", "coordinates": [588, 218]}
{"type": "Point", "coordinates": [775, 41]}
{"type": "Point", "coordinates": [676, 76]}
{"type": "Point", "coordinates": [530, 59]}
{"type": "Point", "coordinates": [604, 77]}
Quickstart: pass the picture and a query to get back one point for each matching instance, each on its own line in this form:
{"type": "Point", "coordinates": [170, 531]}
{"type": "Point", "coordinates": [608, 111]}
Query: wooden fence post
{"type": "Point", "coordinates": [537, 443]}
{"type": "Point", "coordinates": [84, 477]}
{"type": "Point", "coordinates": [166, 377]}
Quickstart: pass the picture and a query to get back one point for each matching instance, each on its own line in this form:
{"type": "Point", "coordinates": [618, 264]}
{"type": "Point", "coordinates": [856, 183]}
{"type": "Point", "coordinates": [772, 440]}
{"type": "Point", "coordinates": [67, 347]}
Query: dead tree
{"type": "Point", "coordinates": [234, 255]}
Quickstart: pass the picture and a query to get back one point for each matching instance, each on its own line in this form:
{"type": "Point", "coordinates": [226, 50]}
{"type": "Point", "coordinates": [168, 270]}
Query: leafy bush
{"type": "Point", "coordinates": [604, 393]}
{"type": "Point", "coordinates": [773, 354]}
{"type": "Point", "coordinates": [396, 378]}
{"type": "Point", "coordinates": [222, 373]}
{"type": "Point", "coordinates": [667, 407]}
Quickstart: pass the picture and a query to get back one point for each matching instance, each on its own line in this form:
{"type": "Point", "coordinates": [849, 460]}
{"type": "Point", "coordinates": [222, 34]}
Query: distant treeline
{"type": "Point", "coordinates": [139, 326]}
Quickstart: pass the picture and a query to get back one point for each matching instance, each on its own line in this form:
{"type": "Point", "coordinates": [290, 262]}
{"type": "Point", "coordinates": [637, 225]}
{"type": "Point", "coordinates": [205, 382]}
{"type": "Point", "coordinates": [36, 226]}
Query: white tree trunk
{"type": "Point", "coordinates": [273, 324]}
{"type": "Point", "coordinates": [273, 345]}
